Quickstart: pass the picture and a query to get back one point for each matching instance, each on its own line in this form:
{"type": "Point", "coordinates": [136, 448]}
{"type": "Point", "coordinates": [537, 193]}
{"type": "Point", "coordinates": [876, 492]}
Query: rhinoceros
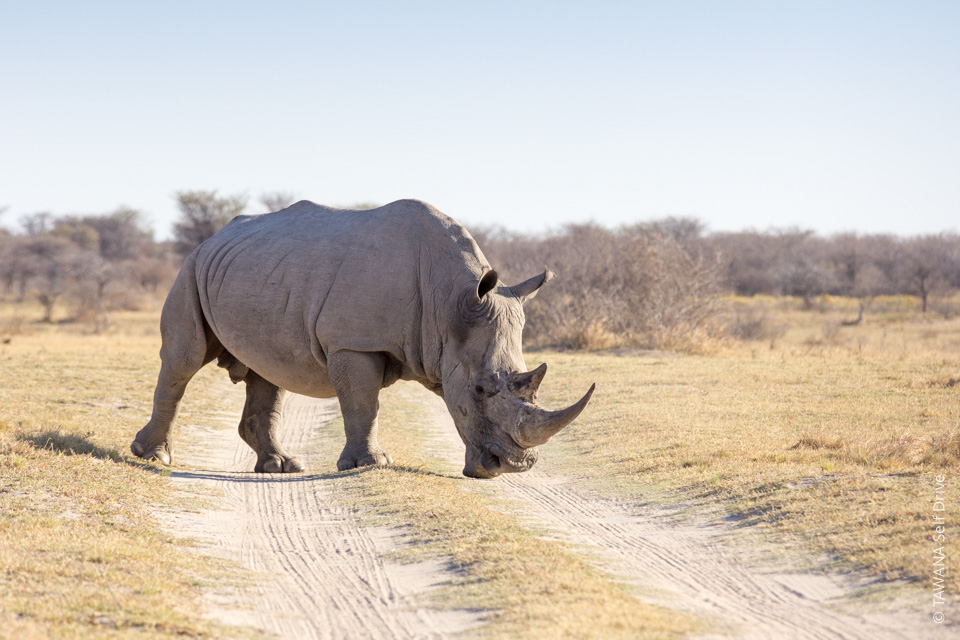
{"type": "Point", "coordinates": [329, 302]}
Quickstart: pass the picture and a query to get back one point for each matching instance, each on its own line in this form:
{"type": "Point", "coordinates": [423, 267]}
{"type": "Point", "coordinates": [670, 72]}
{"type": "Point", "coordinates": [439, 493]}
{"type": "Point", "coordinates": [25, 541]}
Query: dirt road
{"type": "Point", "coordinates": [324, 576]}
{"type": "Point", "coordinates": [697, 568]}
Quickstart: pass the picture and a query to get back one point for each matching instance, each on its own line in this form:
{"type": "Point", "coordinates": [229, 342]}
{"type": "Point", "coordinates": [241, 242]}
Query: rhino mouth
{"type": "Point", "coordinates": [493, 461]}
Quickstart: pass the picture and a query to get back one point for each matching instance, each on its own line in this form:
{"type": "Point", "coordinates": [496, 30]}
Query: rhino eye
{"type": "Point", "coordinates": [483, 391]}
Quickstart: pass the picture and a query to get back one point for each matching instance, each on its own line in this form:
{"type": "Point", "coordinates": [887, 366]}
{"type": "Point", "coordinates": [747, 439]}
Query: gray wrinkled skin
{"type": "Point", "coordinates": [328, 302]}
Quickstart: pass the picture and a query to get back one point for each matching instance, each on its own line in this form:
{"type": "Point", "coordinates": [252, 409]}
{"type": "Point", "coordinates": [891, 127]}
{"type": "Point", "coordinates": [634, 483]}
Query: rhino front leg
{"type": "Point", "coordinates": [258, 426]}
{"type": "Point", "coordinates": [357, 378]}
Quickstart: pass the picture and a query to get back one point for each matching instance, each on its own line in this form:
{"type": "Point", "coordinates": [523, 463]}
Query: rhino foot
{"type": "Point", "coordinates": [159, 452]}
{"type": "Point", "coordinates": [276, 463]}
{"type": "Point", "coordinates": [364, 459]}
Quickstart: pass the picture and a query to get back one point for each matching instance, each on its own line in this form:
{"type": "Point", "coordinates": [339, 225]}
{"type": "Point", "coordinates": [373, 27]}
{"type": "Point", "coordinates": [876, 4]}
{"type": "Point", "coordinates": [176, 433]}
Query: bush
{"type": "Point", "coordinates": [638, 287]}
{"type": "Point", "coordinates": [755, 324]}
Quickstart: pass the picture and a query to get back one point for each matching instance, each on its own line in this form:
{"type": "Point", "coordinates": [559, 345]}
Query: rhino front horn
{"type": "Point", "coordinates": [535, 425]}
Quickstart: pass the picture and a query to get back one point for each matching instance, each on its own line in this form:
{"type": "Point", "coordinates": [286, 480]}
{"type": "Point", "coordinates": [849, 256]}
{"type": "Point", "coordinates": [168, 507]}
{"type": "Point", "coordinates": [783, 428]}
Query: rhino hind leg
{"type": "Point", "coordinates": [152, 442]}
{"type": "Point", "coordinates": [357, 378]}
{"type": "Point", "coordinates": [188, 344]}
{"type": "Point", "coordinates": [259, 423]}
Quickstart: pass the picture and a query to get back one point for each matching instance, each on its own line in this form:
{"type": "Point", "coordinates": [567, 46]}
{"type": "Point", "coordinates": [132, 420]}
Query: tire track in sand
{"type": "Point", "coordinates": [696, 567]}
{"type": "Point", "coordinates": [321, 575]}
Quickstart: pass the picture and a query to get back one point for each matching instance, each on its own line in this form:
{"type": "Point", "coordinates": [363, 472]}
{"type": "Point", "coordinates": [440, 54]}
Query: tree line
{"type": "Point", "coordinates": [651, 284]}
{"type": "Point", "coordinates": [806, 265]}
{"type": "Point", "coordinates": [654, 284]}
{"type": "Point", "coordinates": [95, 263]}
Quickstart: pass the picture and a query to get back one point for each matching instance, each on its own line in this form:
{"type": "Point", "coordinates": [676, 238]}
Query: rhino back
{"type": "Point", "coordinates": [283, 290]}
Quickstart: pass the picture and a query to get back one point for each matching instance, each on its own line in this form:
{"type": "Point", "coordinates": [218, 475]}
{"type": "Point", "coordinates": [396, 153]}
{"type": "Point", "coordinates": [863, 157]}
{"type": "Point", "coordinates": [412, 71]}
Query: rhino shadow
{"type": "Point", "coordinates": [72, 444]}
{"type": "Point", "coordinates": [252, 476]}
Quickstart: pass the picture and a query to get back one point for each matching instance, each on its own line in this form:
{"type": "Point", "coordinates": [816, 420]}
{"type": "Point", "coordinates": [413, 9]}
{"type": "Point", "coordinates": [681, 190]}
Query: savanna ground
{"type": "Point", "coordinates": [823, 438]}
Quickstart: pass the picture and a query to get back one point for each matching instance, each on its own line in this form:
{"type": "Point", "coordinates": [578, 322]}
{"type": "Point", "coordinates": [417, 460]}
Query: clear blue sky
{"type": "Point", "coordinates": [825, 115]}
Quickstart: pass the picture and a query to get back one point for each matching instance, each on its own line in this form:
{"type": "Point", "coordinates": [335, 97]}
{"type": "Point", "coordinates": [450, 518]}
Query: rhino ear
{"type": "Point", "coordinates": [472, 306]}
{"type": "Point", "coordinates": [526, 290]}
{"type": "Point", "coordinates": [487, 284]}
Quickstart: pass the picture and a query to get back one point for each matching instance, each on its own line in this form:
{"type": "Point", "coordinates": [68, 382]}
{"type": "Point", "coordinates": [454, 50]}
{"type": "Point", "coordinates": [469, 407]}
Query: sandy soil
{"type": "Point", "coordinates": [325, 576]}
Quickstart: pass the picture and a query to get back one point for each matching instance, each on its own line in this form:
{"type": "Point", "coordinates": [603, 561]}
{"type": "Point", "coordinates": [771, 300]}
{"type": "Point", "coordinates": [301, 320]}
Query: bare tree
{"type": "Point", "coordinates": [16, 266]}
{"type": "Point", "coordinates": [805, 277]}
{"type": "Point", "coordinates": [362, 206]}
{"type": "Point", "coordinates": [202, 214]}
{"type": "Point", "coordinates": [78, 232]}
{"type": "Point", "coordinates": [925, 265]}
{"type": "Point", "coordinates": [686, 231]}
{"type": "Point", "coordinates": [52, 263]}
{"type": "Point", "coordinates": [122, 235]}
{"type": "Point", "coordinates": [8, 270]}
{"type": "Point", "coordinates": [276, 200]}
{"type": "Point", "coordinates": [35, 224]}
{"type": "Point", "coordinates": [753, 262]}
{"type": "Point", "coordinates": [95, 274]}
{"type": "Point", "coordinates": [153, 273]}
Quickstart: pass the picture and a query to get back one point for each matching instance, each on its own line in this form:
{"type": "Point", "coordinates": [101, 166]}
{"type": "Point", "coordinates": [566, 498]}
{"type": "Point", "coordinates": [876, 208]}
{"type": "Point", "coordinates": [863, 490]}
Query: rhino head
{"type": "Point", "coordinates": [487, 389]}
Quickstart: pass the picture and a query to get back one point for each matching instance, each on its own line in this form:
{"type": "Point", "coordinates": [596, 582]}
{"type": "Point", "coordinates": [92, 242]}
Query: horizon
{"type": "Point", "coordinates": [705, 230]}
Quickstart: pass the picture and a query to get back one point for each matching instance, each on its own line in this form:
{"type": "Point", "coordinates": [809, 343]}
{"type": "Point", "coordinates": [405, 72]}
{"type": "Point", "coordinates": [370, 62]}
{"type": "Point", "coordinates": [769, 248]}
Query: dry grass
{"type": "Point", "coordinates": [754, 323]}
{"type": "Point", "coordinates": [530, 585]}
{"type": "Point", "coordinates": [830, 444]}
{"type": "Point", "coordinates": [819, 441]}
{"type": "Point", "coordinates": [81, 554]}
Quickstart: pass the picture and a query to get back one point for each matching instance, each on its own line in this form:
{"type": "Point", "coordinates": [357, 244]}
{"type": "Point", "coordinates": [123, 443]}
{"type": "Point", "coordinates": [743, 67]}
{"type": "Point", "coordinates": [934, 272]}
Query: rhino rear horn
{"type": "Point", "coordinates": [525, 385]}
{"type": "Point", "coordinates": [527, 289]}
{"type": "Point", "coordinates": [535, 425]}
